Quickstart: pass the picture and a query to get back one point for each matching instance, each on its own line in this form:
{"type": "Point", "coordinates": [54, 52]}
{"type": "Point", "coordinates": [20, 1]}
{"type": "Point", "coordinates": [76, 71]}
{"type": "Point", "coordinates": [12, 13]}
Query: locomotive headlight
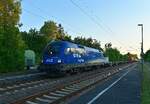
{"type": "Point", "coordinates": [59, 61]}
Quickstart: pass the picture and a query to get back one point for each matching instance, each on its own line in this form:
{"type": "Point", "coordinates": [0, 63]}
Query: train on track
{"type": "Point", "coordinates": [67, 57]}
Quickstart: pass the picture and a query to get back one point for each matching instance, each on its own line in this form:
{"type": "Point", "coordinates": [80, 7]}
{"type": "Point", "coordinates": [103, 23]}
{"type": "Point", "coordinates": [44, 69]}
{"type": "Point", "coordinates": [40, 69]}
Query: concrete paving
{"type": "Point", "coordinates": [122, 88]}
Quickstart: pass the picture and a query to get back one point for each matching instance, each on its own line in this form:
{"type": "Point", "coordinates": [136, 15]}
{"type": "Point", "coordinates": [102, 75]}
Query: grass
{"type": "Point", "coordinates": [145, 95]}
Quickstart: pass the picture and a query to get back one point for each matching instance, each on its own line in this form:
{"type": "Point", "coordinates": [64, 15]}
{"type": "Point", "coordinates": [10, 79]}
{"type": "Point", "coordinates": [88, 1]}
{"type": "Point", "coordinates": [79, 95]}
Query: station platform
{"type": "Point", "coordinates": [122, 88]}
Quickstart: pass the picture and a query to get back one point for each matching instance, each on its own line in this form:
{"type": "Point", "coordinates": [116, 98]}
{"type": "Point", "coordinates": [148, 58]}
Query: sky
{"type": "Point", "coordinates": [112, 21]}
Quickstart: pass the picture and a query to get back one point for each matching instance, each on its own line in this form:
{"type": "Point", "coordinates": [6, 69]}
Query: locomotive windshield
{"type": "Point", "coordinates": [101, 55]}
{"type": "Point", "coordinates": [53, 48]}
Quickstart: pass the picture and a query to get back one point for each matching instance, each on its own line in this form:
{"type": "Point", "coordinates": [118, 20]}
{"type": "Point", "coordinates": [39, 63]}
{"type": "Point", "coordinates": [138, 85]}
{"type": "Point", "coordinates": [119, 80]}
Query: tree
{"type": "Point", "coordinates": [96, 44]}
{"type": "Point", "coordinates": [67, 38]}
{"type": "Point", "coordinates": [113, 54]}
{"type": "Point", "coordinates": [49, 30]}
{"type": "Point", "coordinates": [60, 35]}
{"type": "Point", "coordinates": [35, 42]}
{"type": "Point", "coordinates": [132, 57]}
{"type": "Point", "coordinates": [147, 55]}
{"type": "Point", "coordinates": [12, 46]}
{"type": "Point", "coordinates": [108, 45]}
{"type": "Point", "coordinates": [89, 42]}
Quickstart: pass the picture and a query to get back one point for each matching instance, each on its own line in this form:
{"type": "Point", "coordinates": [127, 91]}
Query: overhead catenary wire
{"type": "Point", "coordinates": [43, 18]}
{"type": "Point", "coordinates": [73, 29]}
{"type": "Point", "coordinates": [34, 14]}
{"type": "Point", "coordinates": [90, 17]}
{"type": "Point", "coordinates": [103, 26]}
{"type": "Point", "coordinates": [70, 27]}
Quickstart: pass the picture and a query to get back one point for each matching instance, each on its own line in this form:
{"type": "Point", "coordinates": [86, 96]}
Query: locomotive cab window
{"type": "Point", "coordinates": [101, 55]}
{"type": "Point", "coordinates": [53, 49]}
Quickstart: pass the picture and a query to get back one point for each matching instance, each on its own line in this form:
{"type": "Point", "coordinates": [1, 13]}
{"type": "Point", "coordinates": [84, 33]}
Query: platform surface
{"type": "Point", "coordinates": [122, 88]}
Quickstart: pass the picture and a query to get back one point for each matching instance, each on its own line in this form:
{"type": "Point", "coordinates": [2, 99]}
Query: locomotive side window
{"type": "Point", "coordinates": [76, 51]}
{"type": "Point", "coordinates": [80, 51]}
{"type": "Point", "coordinates": [73, 50]}
{"type": "Point", "coordinates": [68, 51]}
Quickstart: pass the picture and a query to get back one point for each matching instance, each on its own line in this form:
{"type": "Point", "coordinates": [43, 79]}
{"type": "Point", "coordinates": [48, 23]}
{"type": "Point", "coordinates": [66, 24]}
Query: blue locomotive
{"type": "Point", "coordinates": [63, 56]}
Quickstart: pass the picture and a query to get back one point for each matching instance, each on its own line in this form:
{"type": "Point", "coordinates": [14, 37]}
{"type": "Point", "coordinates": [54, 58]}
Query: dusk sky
{"type": "Point", "coordinates": [112, 21]}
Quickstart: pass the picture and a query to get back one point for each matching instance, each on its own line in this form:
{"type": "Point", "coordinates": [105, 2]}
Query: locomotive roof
{"type": "Point", "coordinates": [76, 45]}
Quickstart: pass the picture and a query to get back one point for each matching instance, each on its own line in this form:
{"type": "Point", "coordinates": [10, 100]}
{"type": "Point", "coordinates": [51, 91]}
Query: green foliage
{"type": "Point", "coordinates": [89, 42]}
{"type": "Point", "coordinates": [35, 42]}
{"type": "Point", "coordinates": [115, 55]}
{"type": "Point", "coordinates": [147, 56]}
{"type": "Point", "coordinates": [67, 38]}
{"type": "Point", "coordinates": [12, 46]}
{"type": "Point", "coordinates": [9, 12]}
{"type": "Point", "coordinates": [13, 42]}
{"type": "Point", "coordinates": [108, 45]}
{"type": "Point", "coordinates": [49, 30]}
{"type": "Point", "coordinates": [132, 56]}
{"type": "Point", "coordinates": [145, 93]}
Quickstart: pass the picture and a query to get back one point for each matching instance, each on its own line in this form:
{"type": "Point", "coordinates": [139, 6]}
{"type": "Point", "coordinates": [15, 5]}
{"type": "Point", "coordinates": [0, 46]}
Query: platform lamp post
{"type": "Point", "coordinates": [142, 53]}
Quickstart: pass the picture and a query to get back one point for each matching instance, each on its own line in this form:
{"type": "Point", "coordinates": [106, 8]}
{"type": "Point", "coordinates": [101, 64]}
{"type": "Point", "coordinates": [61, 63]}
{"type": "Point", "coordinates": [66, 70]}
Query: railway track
{"type": "Point", "coordinates": [68, 90]}
{"type": "Point", "coordinates": [50, 91]}
{"type": "Point", "coordinates": [11, 80]}
{"type": "Point", "coordinates": [11, 88]}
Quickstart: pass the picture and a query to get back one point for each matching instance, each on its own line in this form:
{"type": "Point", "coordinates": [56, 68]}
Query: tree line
{"type": "Point", "coordinates": [14, 42]}
{"type": "Point", "coordinates": [147, 56]}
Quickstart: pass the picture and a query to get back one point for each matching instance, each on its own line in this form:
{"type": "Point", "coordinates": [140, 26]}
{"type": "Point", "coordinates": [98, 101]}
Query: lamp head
{"type": "Point", "coordinates": [140, 24]}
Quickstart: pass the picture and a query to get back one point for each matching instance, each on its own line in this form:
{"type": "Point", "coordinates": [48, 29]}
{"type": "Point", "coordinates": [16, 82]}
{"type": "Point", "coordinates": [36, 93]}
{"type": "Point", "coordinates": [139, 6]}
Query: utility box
{"type": "Point", "coordinates": [29, 58]}
{"type": "Point", "coordinates": [106, 59]}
